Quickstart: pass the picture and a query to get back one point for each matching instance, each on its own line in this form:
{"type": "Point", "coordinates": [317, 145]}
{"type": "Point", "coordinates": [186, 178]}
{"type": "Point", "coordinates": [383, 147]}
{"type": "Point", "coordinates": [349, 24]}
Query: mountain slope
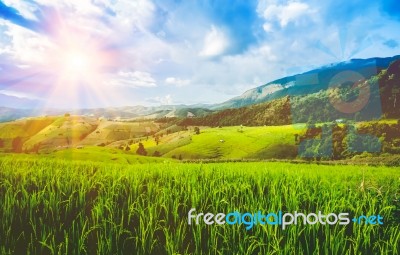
{"type": "Point", "coordinates": [114, 113]}
{"type": "Point", "coordinates": [17, 102]}
{"type": "Point", "coordinates": [307, 83]}
{"type": "Point", "coordinates": [383, 101]}
{"type": "Point", "coordinates": [9, 114]}
{"type": "Point", "coordinates": [276, 112]}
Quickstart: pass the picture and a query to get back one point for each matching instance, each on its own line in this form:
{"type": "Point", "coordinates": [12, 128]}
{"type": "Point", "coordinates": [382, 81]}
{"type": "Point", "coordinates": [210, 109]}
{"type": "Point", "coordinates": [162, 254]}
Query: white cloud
{"type": "Point", "coordinates": [25, 46]}
{"type": "Point", "coordinates": [215, 43]}
{"type": "Point", "coordinates": [177, 82]}
{"type": "Point", "coordinates": [166, 100]}
{"type": "Point", "coordinates": [81, 7]}
{"type": "Point", "coordinates": [134, 79]}
{"type": "Point", "coordinates": [18, 94]}
{"type": "Point", "coordinates": [126, 29]}
{"type": "Point", "coordinates": [285, 14]}
{"type": "Point", "coordinates": [231, 75]}
{"type": "Point", "coordinates": [264, 51]}
{"type": "Point", "coordinates": [267, 27]}
{"type": "Point", "coordinates": [176, 45]}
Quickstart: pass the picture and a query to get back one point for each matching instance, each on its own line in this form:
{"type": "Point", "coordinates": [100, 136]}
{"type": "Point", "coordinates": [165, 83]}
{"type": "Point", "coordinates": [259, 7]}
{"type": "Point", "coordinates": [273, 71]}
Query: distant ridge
{"type": "Point", "coordinates": [306, 83]}
{"type": "Point", "coordinates": [12, 108]}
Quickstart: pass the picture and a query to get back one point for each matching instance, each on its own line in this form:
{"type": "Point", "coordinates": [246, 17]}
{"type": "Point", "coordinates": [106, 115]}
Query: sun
{"type": "Point", "coordinates": [77, 63]}
{"type": "Point", "coordinates": [79, 66]}
{"type": "Point", "coordinates": [78, 59]}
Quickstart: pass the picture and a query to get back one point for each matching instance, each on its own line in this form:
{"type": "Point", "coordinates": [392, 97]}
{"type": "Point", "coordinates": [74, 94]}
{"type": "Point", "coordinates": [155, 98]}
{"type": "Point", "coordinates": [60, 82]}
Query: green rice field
{"type": "Point", "coordinates": [54, 206]}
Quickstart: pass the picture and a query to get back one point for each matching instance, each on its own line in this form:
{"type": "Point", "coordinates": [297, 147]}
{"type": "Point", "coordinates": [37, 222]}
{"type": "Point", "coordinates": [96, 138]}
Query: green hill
{"type": "Point", "coordinates": [230, 143]}
{"type": "Point", "coordinates": [382, 100]}
{"type": "Point", "coordinates": [261, 131]}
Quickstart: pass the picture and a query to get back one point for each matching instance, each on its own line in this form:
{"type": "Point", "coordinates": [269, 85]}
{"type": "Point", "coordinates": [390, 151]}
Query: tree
{"type": "Point", "coordinates": [197, 130]}
{"type": "Point", "coordinates": [141, 150]}
{"type": "Point", "coordinates": [156, 154]}
{"type": "Point", "coordinates": [17, 144]}
{"type": "Point", "coordinates": [296, 138]}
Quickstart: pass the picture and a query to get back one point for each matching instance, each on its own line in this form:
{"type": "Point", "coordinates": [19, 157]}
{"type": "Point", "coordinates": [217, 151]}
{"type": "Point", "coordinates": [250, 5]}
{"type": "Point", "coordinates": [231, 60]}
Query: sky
{"type": "Point", "coordinates": [103, 53]}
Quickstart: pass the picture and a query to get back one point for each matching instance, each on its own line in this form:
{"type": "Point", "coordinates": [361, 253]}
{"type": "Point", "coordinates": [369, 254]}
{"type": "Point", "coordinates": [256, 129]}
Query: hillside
{"type": "Point", "coordinates": [276, 112]}
{"type": "Point", "coordinates": [128, 113]}
{"type": "Point", "coordinates": [9, 114]}
{"type": "Point", "coordinates": [79, 137]}
{"type": "Point", "coordinates": [261, 131]}
{"type": "Point", "coordinates": [306, 83]}
{"type": "Point", "coordinates": [381, 101]}
{"type": "Point", "coordinates": [229, 143]}
{"type": "Point", "coordinates": [83, 138]}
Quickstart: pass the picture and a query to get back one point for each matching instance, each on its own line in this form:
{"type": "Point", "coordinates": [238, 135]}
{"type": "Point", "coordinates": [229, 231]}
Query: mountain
{"type": "Point", "coordinates": [307, 83]}
{"type": "Point", "coordinates": [9, 114]}
{"type": "Point", "coordinates": [17, 102]}
{"type": "Point", "coordinates": [119, 113]}
{"type": "Point", "coordinates": [383, 101]}
{"type": "Point", "coordinates": [142, 112]}
{"type": "Point", "coordinates": [273, 113]}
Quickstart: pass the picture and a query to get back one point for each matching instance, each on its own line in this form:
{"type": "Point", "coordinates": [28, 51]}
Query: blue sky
{"type": "Point", "coordinates": [94, 53]}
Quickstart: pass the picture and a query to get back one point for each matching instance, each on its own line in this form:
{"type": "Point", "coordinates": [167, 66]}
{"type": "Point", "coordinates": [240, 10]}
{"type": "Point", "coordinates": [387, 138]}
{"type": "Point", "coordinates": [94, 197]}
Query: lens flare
{"type": "Point", "coordinates": [80, 64]}
{"type": "Point", "coordinates": [77, 63]}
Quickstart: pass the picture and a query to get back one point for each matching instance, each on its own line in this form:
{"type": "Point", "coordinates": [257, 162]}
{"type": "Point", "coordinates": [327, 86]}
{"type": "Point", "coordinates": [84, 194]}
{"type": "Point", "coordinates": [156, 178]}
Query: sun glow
{"type": "Point", "coordinates": [77, 63]}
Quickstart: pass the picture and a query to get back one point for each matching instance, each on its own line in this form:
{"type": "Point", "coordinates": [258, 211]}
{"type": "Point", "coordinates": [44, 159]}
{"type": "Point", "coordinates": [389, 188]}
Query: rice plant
{"type": "Point", "coordinates": [50, 206]}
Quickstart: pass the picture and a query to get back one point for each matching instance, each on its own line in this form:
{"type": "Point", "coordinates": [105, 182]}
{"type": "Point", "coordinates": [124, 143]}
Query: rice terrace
{"type": "Point", "coordinates": [75, 183]}
{"type": "Point", "coordinates": [166, 127]}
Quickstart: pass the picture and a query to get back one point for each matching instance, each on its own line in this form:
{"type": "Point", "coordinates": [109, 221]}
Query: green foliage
{"type": "Point", "coordinates": [61, 207]}
{"type": "Point", "coordinates": [228, 143]}
{"type": "Point", "coordinates": [383, 101]}
{"type": "Point", "coordinates": [343, 141]}
{"type": "Point", "coordinates": [141, 150]}
{"type": "Point", "coordinates": [276, 112]}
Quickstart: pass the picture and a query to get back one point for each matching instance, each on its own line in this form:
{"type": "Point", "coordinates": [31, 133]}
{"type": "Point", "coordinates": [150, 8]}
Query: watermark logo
{"type": "Point", "coordinates": [284, 220]}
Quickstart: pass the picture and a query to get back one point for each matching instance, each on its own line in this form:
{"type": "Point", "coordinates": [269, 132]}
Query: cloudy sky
{"type": "Point", "coordinates": [91, 53]}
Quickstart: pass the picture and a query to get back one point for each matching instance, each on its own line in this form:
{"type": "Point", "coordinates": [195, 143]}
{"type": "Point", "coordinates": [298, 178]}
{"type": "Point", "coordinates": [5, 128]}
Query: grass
{"type": "Point", "coordinates": [231, 143]}
{"type": "Point", "coordinates": [47, 134]}
{"type": "Point", "coordinates": [24, 128]}
{"type": "Point", "coordinates": [64, 130]}
{"type": "Point", "coordinates": [93, 154]}
{"type": "Point", "coordinates": [53, 206]}
{"type": "Point", "coordinates": [109, 132]}
{"type": "Point", "coordinates": [105, 155]}
{"type": "Point", "coordinates": [50, 133]}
